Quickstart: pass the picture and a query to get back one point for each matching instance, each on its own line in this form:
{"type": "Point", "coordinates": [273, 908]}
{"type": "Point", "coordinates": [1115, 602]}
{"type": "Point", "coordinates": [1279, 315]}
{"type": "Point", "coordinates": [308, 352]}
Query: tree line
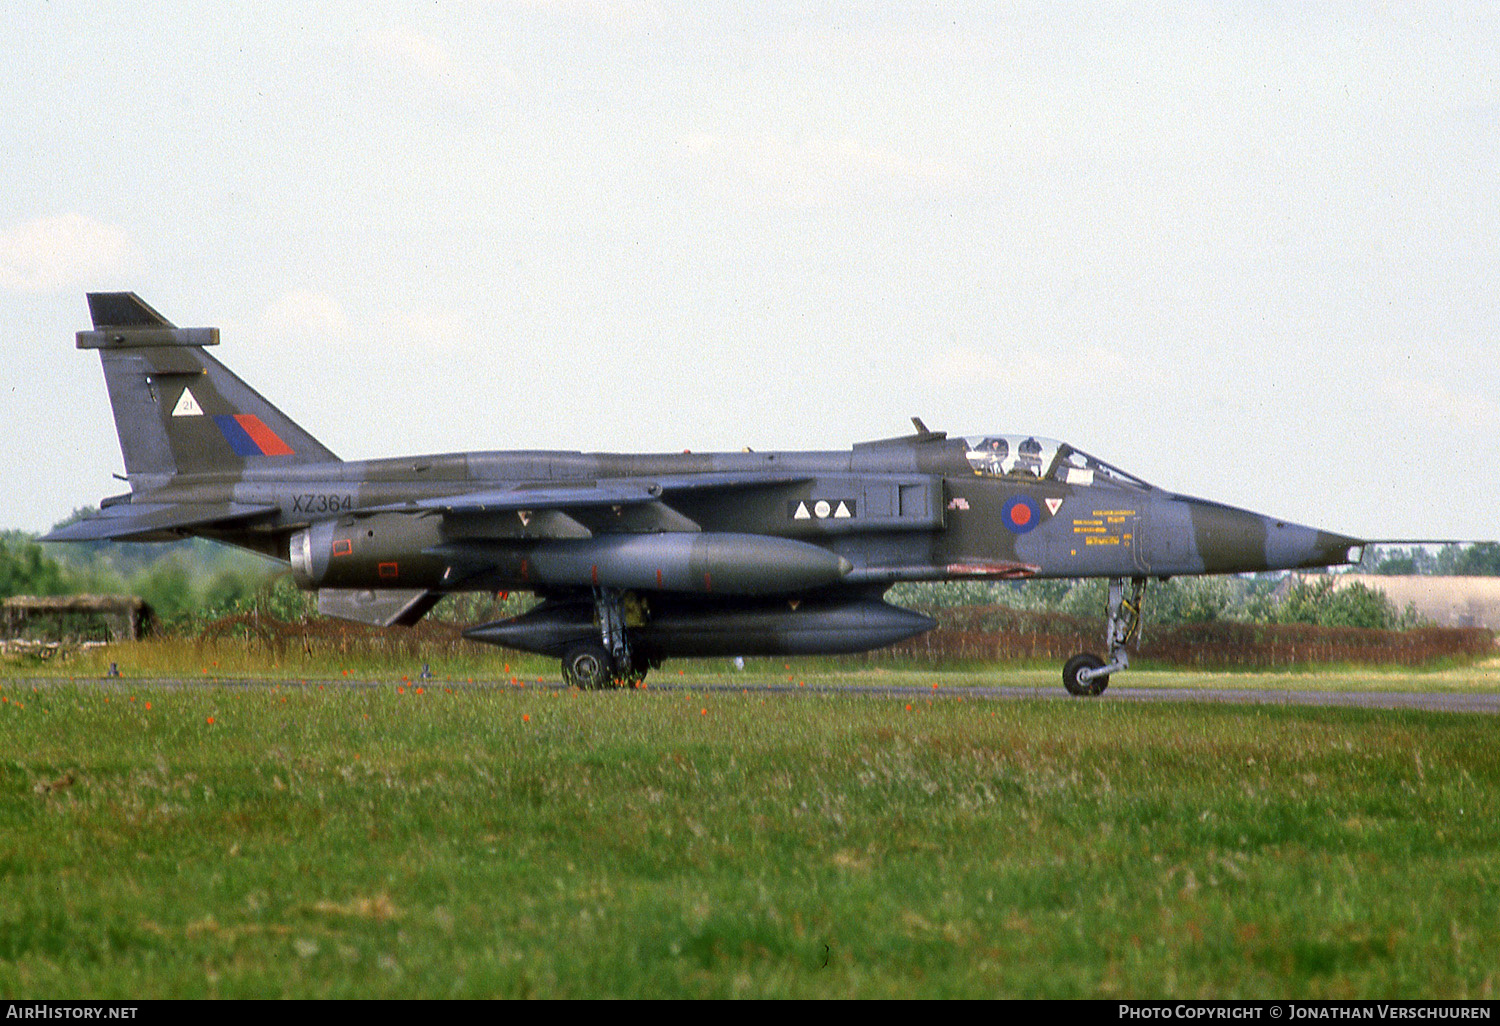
{"type": "Point", "coordinates": [1249, 599]}
{"type": "Point", "coordinates": [1481, 559]}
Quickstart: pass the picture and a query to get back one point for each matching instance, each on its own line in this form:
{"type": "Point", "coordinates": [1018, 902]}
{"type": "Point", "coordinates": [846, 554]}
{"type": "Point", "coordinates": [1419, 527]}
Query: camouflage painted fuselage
{"type": "Point", "coordinates": [905, 509]}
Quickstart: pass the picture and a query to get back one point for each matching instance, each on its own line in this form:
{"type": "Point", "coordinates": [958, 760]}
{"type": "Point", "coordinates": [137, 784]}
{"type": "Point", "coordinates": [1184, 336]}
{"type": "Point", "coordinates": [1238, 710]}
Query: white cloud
{"type": "Point", "coordinates": [67, 251]}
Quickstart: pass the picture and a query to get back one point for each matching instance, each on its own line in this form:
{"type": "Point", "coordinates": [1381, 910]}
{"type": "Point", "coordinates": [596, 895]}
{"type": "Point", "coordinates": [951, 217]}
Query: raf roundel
{"type": "Point", "coordinates": [1020, 514]}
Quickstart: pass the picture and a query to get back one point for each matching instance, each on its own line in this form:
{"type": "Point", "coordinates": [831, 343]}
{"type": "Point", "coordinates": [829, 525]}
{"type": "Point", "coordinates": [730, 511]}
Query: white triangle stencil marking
{"type": "Point", "coordinates": [187, 406]}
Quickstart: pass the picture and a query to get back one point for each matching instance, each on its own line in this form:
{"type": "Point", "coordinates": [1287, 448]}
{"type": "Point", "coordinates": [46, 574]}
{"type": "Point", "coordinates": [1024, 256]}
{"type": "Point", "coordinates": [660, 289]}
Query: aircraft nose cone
{"type": "Point", "coordinates": [1292, 546]}
{"type": "Point", "coordinates": [1196, 536]}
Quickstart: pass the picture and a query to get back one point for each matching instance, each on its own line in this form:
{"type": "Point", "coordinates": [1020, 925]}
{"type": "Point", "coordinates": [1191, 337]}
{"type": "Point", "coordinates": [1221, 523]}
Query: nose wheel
{"type": "Point", "coordinates": [1094, 684]}
{"type": "Point", "coordinates": [1086, 674]}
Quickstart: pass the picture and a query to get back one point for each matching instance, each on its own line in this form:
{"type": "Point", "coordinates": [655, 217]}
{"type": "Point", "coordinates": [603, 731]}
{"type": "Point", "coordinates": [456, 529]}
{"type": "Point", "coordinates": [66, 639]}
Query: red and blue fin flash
{"type": "Point", "coordinates": [248, 436]}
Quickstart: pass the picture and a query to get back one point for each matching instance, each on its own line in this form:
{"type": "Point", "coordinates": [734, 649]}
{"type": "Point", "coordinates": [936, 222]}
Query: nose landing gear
{"type": "Point", "coordinates": [1088, 675]}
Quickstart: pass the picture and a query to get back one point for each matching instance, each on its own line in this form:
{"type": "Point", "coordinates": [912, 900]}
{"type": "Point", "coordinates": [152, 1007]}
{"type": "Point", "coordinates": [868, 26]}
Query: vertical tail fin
{"type": "Point", "coordinates": [177, 409]}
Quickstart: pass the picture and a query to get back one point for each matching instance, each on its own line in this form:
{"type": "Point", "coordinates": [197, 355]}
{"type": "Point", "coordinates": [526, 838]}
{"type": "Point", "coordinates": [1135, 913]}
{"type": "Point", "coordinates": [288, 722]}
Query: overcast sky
{"type": "Point", "coordinates": [1248, 251]}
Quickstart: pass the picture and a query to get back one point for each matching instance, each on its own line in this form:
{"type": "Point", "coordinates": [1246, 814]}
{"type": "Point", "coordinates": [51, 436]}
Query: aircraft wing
{"type": "Point", "coordinates": [545, 511]}
{"type": "Point", "coordinates": [578, 511]}
{"type": "Point", "coordinates": [515, 500]}
{"type": "Point", "coordinates": [623, 492]}
{"type": "Point", "coordinates": [725, 482]}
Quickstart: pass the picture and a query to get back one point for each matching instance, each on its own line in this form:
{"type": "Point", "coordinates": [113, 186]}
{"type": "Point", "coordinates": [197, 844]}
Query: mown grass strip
{"type": "Point", "coordinates": [479, 841]}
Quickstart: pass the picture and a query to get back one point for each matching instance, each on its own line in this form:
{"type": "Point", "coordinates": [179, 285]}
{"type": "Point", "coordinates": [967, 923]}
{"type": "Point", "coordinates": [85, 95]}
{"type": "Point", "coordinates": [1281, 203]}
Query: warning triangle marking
{"type": "Point", "coordinates": [802, 513]}
{"type": "Point", "coordinates": [187, 406]}
{"type": "Point", "coordinates": [842, 512]}
{"type": "Point", "coordinates": [1053, 505]}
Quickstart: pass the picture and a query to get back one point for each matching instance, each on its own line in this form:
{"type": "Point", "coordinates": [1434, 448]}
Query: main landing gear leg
{"type": "Point", "coordinates": [594, 665]}
{"type": "Point", "coordinates": [1086, 673]}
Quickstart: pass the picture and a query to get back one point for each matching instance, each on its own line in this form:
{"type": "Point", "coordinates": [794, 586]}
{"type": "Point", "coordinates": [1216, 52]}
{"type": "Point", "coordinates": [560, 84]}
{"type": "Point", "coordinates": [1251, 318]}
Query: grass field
{"type": "Point", "coordinates": [495, 840]}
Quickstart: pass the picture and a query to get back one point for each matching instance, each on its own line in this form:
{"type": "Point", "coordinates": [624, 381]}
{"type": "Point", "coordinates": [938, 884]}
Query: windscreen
{"type": "Point", "coordinates": [1029, 456]}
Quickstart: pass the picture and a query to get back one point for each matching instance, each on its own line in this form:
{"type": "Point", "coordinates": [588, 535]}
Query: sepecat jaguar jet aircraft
{"type": "Point", "coordinates": [639, 558]}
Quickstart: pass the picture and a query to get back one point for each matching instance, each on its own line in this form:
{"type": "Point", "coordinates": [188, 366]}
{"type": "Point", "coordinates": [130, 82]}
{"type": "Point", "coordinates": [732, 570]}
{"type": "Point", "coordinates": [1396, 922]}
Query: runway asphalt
{"type": "Point", "coordinates": [1436, 701]}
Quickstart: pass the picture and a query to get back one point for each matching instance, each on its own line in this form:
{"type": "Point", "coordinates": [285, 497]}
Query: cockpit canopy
{"type": "Point", "coordinates": [1027, 456]}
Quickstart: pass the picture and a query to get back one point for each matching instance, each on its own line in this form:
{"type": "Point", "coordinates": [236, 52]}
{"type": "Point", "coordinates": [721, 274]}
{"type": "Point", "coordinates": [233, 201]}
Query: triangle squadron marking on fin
{"type": "Point", "coordinates": [187, 406]}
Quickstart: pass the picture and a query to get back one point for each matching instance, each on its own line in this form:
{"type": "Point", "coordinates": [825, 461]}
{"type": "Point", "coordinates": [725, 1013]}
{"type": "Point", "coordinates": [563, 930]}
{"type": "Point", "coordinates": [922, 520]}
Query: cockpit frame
{"type": "Point", "coordinates": [1030, 457]}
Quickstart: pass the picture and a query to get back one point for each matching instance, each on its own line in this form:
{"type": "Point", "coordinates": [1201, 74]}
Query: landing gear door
{"type": "Point", "coordinates": [1123, 526]}
{"type": "Point", "coordinates": [1134, 536]}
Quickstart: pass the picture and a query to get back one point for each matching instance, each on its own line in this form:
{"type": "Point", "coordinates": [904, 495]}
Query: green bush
{"type": "Point", "coordinates": [26, 570]}
{"type": "Point", "coordinates": [1321, 604]}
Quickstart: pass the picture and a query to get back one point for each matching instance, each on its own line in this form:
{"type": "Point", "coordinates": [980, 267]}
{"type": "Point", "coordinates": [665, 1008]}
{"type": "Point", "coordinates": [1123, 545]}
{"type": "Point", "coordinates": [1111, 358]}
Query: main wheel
{"type": "Point", "coordinates": [1084, 660]}
{"type": "Point", "coordinates": [588, 666]}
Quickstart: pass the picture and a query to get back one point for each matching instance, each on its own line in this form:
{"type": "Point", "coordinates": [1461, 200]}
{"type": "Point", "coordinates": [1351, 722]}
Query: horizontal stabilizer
{"type": "Point", "coordinates": [140, 522]}
{"type": "Point", "coordinates": [380, 607]}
